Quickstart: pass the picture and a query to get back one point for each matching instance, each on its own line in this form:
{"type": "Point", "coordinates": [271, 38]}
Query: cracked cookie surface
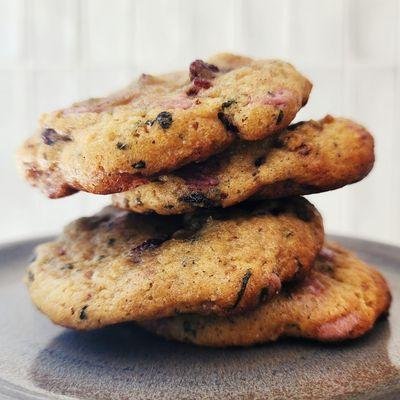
{"type": "Point", "coordinates": [119, 266]}
{"type": "Point", "coordinates": [160, 123]}
{"type": "Point", "coordinates": [340, 298]}
{"type": "Point", "coordinates": [305, 158]}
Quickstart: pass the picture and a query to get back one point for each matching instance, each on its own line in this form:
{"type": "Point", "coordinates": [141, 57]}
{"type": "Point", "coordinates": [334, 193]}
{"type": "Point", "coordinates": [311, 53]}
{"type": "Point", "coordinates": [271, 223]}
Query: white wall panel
{"type": "Point", "coordinates": [53, 52]}
{"type": "Point", "coordinates": [105, 32]}
{"type": "Point", "coordinates": [372, 102]}
{"type": "Point", "coordinates": [316, 33]}
{"type": "Point", "coordinates": [201, 41]}
{"type": "Point", "coordinates": [262, 28]}
{"type": "Point", "coordinates": [53, 33]}
{"type": "Point", "coordinates": [11, 31]}
{"type": "Point", "coordinates": [373, 31]}
{"type": "Point", "coordinates": [162, 34]}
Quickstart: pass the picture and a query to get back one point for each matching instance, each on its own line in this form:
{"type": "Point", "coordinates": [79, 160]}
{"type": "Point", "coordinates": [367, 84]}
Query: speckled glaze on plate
{"type": "Point", "coordinates": [41, 361]}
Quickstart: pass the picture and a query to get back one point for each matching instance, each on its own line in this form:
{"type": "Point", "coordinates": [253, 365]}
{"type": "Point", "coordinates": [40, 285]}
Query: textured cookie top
{"type": "Point", "coordinates": [307, 157]}
{"type": "Point", "coordinates": [340, 299]}
{"type": "Point", "coordinates": [120, 266]}
{"type": "Point", "coordinates": [160, 123]}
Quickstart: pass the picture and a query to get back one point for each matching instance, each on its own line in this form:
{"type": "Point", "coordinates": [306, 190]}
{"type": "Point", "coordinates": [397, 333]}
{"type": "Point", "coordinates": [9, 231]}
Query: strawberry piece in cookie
{"type": "Point", "coordinates": [340, 328]}
{"type": "Point", "coordinates": [201, 74]}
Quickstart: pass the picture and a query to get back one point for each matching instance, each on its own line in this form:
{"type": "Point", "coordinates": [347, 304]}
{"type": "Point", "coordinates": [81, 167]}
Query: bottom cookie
{"type": "Point", "coordinates": [340, 299]}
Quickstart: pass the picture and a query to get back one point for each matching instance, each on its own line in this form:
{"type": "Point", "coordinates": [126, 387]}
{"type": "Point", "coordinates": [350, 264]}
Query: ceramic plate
{"type": "Point", "coordinates": [41, 361]}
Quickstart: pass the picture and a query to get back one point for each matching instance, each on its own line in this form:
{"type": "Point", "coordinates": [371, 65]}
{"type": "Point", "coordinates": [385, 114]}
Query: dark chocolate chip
{"type": "Point", "coordinates": [50, 137]}
{"type": "Point", "coordinates": [148, 244]}
{"type": "Point", "coordinates": [67, 266]}
{"type": "Point", "coordinates": [197, 199]}
{"type": "Point", "coordinates": [242, 289]}
{"type": "Point", "coordinates": [82, 313]}
{"type": "Point", "coordinates": [139, 165]}
{"type": "Point", "coordinates": [280, 117]}
{"type": "Point", "coordinates": [122, 146]}
{"type": "Point", "coordinates": [164, 119]}
{"type": "Point", "coordinates": [259, 161]}
{"type": "Point", "coordinates": [111, 242]}
{"type": "Point", "coordinates": [227, 124]}
{"type": "Point", "coordinates": [227, 104]}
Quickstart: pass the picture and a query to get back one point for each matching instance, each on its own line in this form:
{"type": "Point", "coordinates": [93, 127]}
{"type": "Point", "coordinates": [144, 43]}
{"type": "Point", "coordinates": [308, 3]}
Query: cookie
{"type": "Point", "coordinates": [161, 123]}
{"type": "Point", "coordinates": [340, 299]}
{"type": "Point", "coordinates": [119, 266]}
{"type": "Point", "coordinates": [305, 158]}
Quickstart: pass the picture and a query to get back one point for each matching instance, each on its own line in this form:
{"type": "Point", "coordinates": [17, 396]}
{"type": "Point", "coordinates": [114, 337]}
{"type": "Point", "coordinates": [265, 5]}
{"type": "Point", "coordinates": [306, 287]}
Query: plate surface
{"type": "Point", "coordinates": [41, 361]}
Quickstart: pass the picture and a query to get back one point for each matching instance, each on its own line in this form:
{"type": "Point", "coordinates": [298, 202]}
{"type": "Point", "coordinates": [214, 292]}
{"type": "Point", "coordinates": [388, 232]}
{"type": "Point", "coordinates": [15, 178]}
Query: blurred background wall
{"type": "Point", "coordinates": [53, 52]}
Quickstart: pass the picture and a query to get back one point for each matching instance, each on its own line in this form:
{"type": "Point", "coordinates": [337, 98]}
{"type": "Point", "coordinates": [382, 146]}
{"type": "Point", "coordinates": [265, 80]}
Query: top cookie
{"type": "Point", "coordinates": [307, 157]}
{"type": "Point", "coordinates": [160, 123]}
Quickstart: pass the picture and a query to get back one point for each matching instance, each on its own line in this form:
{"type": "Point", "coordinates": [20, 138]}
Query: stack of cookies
{"type": "Point", "coordinates": [208, 240]}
